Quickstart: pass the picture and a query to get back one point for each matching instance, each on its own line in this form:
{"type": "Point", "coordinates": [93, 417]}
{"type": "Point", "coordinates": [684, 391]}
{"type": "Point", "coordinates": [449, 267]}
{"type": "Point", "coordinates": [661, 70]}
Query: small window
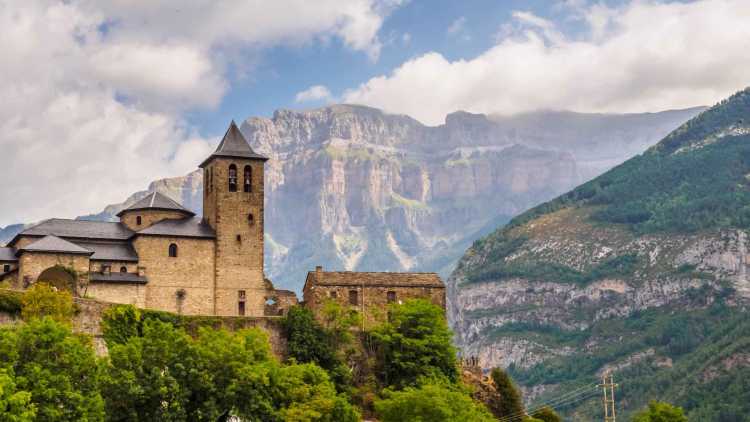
{"type": "Point", "coordinates": [173, 250]}
{"type": "Point", "coordinates": [138, 220]}
{"type": "Point", "coordinates": [241, 295]}
{"type": "Point", "coordinates": [391, 297]}
{"type": "Point", "coordinates": [241, 308]}
{"type": "Point", "coordinates": [250, 219]}
{"type": "Point", "coordinates": [353, 297]}
{"type": "Point", "coordinates": [106, 269]}
{"type": "Point", "coordinates": [239, 238]}
{"type": "Point", "coordinates": [232, 178]}
{"type": "Point", "coordinates": [123, 269]}
{"type": "Point", "coordinates": [248, 182]}
{"type": "Point", "coordinates": [6, 268]}
{"type": "Point", "coordinates": [334, 295]}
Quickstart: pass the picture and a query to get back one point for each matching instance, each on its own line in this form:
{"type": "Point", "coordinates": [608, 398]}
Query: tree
{"type": "Point", "coordinates": [307, 340]}
{"type": "Point", "coordinates": [433, 401]}
{"type": "Point", "coordinates": [42, 300]}
{"type": "Point", "coordinates": [660, 412]}
{"type": "Point", "coordinates": [508, 401]}
{"type": "Point", "coordinates": [15, 406]}
{"type": "Point", "coordinates": [58, 369]}
{"type": "Point", "coordinates": [546, 414]}
{"type": "Point", "coordinates": [415, 342]}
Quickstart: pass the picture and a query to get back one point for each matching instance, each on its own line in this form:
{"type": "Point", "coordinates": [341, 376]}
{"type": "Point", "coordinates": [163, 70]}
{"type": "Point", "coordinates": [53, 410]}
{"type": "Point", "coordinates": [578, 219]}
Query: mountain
{"type": "Point", "coordinates": [642, 271]}
{"type": "Point", "coordinates": [351, 187]}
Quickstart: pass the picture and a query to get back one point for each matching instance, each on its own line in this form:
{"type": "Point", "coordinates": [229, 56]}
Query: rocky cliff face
{"type": "Point", "coordinates": [352, 187]}
{"type": "Point", "coordinates": [642, 271]}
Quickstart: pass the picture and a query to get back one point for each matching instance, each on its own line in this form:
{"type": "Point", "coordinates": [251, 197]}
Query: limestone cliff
{"type": "Point", "coordinates": [351, 187]}
{"type": "Point", "coordinates": [642, 270]}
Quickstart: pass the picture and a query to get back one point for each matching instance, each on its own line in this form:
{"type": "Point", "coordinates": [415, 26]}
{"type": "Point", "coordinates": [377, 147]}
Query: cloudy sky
{"type": "Point", "coordinates": [100, 97]}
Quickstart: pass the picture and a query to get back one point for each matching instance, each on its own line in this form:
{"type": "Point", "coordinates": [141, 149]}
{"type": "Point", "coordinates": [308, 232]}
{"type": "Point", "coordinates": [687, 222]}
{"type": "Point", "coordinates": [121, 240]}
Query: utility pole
{"type": "Point", "coordinates": [608, 389]}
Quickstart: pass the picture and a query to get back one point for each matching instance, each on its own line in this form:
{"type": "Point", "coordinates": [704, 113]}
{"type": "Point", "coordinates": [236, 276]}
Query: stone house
{"type": "Point", "coordinates": [370, 293]}
{"type": "Point", "coordinates": [159, 255]}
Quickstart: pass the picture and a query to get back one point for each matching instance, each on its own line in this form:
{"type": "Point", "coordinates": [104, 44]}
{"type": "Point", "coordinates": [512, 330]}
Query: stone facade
{"type": "Point", "coordinates": [147, 218]}
{"type": "Point", "coordinates": [370, 293]}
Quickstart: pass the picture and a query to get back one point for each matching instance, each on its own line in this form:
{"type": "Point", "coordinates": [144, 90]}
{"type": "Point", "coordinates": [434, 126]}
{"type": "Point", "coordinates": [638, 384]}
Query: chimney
{"type": "Point", "coordinates": [318, 273]}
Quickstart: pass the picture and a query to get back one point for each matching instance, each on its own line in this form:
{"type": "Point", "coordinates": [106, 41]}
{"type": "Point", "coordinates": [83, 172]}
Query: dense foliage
{"type": "Point", "coordinates": [660, 412]}
{"type": "Point", "coordinates": [508, 403]}
{"type": "Point", "coordinates": [43, 300]}
{"type": "Point", "coordinates": [414, 343]}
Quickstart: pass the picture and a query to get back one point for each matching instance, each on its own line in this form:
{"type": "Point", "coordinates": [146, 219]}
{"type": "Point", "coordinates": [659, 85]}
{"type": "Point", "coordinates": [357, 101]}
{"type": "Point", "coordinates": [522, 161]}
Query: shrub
{"type": "Point", "coordinates": [42, 300]}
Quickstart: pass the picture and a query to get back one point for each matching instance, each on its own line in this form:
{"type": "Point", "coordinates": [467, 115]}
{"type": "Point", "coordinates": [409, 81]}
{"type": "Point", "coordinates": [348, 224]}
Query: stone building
{"type": "Point", "coordinates": [370, 293]}
{"type": "Point", "coordinates": [160, 255]}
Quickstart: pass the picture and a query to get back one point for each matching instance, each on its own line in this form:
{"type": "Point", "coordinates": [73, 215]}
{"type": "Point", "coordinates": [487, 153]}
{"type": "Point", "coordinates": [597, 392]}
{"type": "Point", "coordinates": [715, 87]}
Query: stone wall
{"type": "Point", "coordinates": [239, 241]}
{"type": "Point", "coordinates": [32, 264]}
{"type": "Point", "coordinates": [373, 301]}
{"type": "Point", "coordinates": [148, 218]}
{"type": "Point", "coordinates": [184, 284]}
{"type": "Point", "coordinates": [128, 294]}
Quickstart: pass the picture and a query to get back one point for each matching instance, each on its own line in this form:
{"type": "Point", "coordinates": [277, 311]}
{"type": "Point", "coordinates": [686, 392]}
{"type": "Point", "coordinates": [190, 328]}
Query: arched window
{"type": "Point", "coordinates": [138, 220]}
{"type": "Point", "coordinates": [232, 178]}
{"type": "Point", "coordinates": [248, 179]}
{"type": "Point", "coordinates": [173, 250]}
{"type": "Point", "coordinates": [123, 269]}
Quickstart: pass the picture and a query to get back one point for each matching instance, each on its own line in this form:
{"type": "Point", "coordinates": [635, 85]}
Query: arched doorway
{"type": "Point", "coordinates": [60, 278]}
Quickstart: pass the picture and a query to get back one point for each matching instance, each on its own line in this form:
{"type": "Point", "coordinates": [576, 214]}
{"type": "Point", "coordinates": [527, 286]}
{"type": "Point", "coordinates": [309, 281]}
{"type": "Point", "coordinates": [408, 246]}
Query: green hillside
{"type": "Point", "coordinates": [642, 270]}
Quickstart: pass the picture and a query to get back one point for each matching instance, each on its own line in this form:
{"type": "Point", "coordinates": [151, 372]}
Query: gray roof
{"type": "Point", "coordinates": [156, 201]}
{"type": "Point", "coordinates": [8, 254]}
{"type": "Point", "coordinates": [120, 251]}
{"type": "Point", "coordinates": [78, 229]}
{"type": "Point", "coordinates": [187, 227]}
{"type": "Point", "coordinates": [56, 245]}
{"type": "Point", "coordinates": [115, 277]}
{"type": "Point", "coordinates": [234, 145]}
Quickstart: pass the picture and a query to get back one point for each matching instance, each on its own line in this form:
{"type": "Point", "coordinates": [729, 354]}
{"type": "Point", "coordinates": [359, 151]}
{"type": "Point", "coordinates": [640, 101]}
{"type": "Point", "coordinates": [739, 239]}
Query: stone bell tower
{"type": "Point", "coordinates": [233, 207]}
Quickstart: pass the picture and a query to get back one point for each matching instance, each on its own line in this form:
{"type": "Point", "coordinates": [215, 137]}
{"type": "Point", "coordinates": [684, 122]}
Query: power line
{"type": "Point", "coordinates": [583, 396]}
{"type": "Point", "coordinates": [556, 402]}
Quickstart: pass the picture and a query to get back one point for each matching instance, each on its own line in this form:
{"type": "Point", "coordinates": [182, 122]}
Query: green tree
{"type": "Point", "coordinates": [660, 412]}
{"type": "Point", "coordinates": [508, 401]}
{"type": "Point", "coordinates": [42, 300]}
{"type": "Point", "coordinates": [307, 340]}
{"type": "Point", "coordinates": [15, 406]}
{"type": "Point", "coordinates": [415, 342]}
{"type": "Point", "coordinates": [432, 401]}
{"type": "Point", "coordinates": [58, 368]}
{"type": "Point", "coordinates": [546, 414]}
{"type": "Point", "coordinates": [120, 323]}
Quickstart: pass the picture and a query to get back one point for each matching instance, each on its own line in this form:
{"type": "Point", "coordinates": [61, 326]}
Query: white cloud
{"type": "Point", "coordinates": [638, 57]}
{"type": "Point", "coordinates": [457, 25]}
{"type": "Point", "coordinates": [93, 92]}
{"type": "Point", "coordinates": [314, 93]}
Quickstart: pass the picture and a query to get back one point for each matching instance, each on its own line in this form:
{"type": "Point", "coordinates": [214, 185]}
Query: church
{"type": "Point", "coordinates": [162, 256]}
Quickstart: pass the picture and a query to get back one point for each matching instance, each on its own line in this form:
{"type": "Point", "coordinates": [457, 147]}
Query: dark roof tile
{"type": "Point", "coordinates": [55, 244]}
{"type": "Point", "coordinates": [375, 279]}
{"type": "Point", "coordinates": [233, 145]}
{"type": "Point", "coordinates": [123, 278]}
{"type": "Point", "coordinates": [80, 229]}
{"type": "Point", "coordinates": [188, 227]}
{"type": "Point", "coordinates": [121, 251]}
{"type": "Point", "coordinates": [8, 254]}
{"type": "Point", "coordinates": [156, 201]}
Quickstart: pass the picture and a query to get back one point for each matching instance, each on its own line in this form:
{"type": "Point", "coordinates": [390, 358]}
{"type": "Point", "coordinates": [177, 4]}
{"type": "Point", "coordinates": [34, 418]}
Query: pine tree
{"type": "Point", "coordinates": [508, 400]}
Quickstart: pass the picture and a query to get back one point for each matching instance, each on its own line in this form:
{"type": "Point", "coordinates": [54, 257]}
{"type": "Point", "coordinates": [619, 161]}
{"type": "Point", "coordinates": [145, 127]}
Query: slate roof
{"type": "Point", "coordinates": [125, 278]}
{"type": "Point", "coordinates": [8, 254]}
{"type": "Point", "coordinates": [233, 145]}
{"type": "Point", "coordinates": [374, 279]}
{"type": "Point", "coordinates": [156, 201]}
{"type": "Point", "coordinates": [187, 227]}
{"type": "Point", "coordinates": [79, 229]}
{"type": "Point", "coordinates": [56, 245]}
{"type": "Point", "coordinates": [120, 251]}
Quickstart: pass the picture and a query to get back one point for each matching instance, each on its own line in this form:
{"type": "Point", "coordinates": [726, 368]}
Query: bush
{"type": "Point", "coordinates": [432, 401]}
{"type": "Point", "coordinates": [416, 342]}
{"type": "Point", "coordinates": [508, 402]}
{"type": "Point", "coordinates": [660, 412]}
{"type": "Point", "coordinates": [42, 300]}
{"type": "Point", "coordinates": [10, 302]}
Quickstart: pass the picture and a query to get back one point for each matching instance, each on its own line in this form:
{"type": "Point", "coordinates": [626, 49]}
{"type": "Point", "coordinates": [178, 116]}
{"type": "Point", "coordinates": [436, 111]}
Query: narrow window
{"type": "Point", "coordinates": [391, 297]}
{"type": "Point", "coordinates": [353, 297]}
{"type": "Point", "coordinates": [173, 250]}
{"type": "Point", "coordinates": [334, 295]}
{"type": "Point", "coordinates": [138, 220]}
{"type": "Point", "coordinates": [239, 238]}
{"type": "Point", "coordinates": [241, 302]}
{"type": "Point", "coordinates": [210, 179]}
{"type": "Point", "coordinates": [6, 268]}
{"type": "Point", "coordinates": [250, 219]}
{"type": "Point", "coordinates": [232, 178]}
{"type": "Point", "coordinates": [123, 269]}
{"type": "Point", "coordinates": [248, 183]}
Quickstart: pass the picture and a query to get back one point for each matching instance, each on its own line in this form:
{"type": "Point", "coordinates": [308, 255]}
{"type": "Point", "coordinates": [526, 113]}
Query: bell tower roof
{"type": "Point", "coordinates": [233, 145]}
